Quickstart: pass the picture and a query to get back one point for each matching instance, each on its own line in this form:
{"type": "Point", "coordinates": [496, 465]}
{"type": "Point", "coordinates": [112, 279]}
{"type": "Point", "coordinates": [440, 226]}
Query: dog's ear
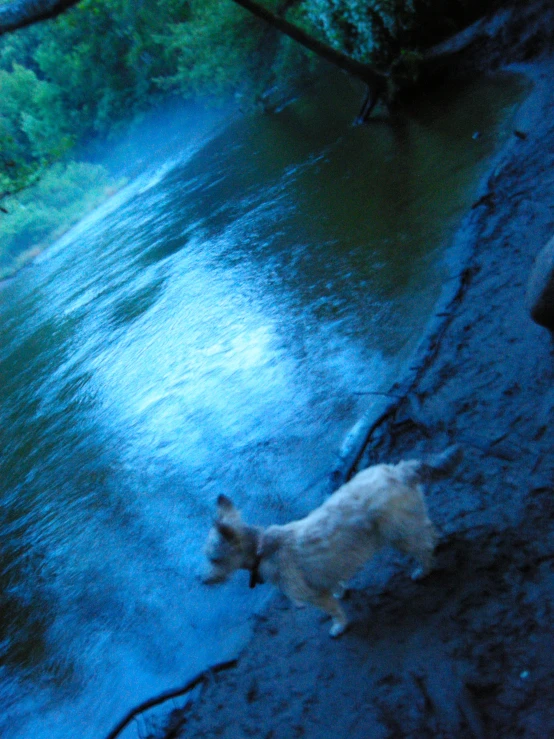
{"type": "Point", "coordinates": [227, 532]}
{"type": "Point", "coordinates": [224, 504]}
{"type": "Point", "coordinates": [226, 509]}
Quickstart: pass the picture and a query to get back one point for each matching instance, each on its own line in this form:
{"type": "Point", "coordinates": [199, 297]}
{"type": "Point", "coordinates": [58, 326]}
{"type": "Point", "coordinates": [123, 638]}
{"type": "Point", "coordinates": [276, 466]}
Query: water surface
{"type": "Point", "coordinates": [212, 329]}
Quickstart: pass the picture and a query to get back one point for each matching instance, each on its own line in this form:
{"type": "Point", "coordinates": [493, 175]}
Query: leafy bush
{"type": "Point", "coordinates": [41, 212]}
{"type": "Point", "coordinates": [379, 31]}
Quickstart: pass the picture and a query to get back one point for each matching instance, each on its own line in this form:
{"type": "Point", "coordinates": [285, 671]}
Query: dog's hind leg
{"type": "Point", "coordinates": [426, 562]}
{"type": "Point", "coordinates": [421, 545]}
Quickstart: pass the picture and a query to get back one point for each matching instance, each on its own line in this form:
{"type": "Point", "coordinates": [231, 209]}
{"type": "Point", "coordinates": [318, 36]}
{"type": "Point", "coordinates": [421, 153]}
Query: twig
{"type": "Point", "coordinates": [486, 199]}
{"type": "Point", "coordinates": [376, 392]}
{"type": "Point", "coordinates": [202, 677]}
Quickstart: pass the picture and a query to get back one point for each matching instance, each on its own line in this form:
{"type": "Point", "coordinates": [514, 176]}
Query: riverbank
{"type": "Point", "coordinates": [467, 652]}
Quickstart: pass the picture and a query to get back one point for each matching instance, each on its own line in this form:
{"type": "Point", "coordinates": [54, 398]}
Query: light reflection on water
{"type": "Point", "coordinates": [208, 335]}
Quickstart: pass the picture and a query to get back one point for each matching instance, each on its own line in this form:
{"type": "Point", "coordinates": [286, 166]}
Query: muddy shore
{"type": "Point", "coordinates": [469, 651]}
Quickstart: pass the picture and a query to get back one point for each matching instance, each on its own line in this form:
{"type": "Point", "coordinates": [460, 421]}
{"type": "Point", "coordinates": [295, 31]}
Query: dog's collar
{"type": "Point", "coordinates": [255, 577]}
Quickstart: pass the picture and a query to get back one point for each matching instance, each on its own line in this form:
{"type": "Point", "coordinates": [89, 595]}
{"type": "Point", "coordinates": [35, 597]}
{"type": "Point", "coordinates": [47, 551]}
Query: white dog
{"type": "Point", "coordinates": [311, 559]}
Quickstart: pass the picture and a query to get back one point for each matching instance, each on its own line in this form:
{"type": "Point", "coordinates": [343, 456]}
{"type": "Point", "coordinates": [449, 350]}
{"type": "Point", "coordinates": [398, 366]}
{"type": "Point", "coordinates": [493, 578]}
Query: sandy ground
{"type": "Point", "coordinates": [469, 651]}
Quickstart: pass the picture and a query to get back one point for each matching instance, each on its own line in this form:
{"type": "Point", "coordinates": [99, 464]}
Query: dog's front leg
{"type": "Point", "coordinates": [331, 606]}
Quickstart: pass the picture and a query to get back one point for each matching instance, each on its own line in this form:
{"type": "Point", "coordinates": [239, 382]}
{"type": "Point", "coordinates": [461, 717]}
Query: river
{"type": "Point", "coordinates": [215, 327]}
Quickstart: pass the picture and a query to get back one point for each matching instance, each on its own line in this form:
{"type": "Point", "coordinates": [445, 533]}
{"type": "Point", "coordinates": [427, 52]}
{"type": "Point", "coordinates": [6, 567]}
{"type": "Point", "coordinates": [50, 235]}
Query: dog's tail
{"type": "Point", "coordinates": [432, 468]}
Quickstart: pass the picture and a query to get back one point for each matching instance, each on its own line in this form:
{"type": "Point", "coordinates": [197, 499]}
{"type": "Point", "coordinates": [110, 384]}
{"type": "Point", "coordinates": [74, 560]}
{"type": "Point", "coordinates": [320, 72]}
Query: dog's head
{"type": "Point", "coordinates": [225, 548]}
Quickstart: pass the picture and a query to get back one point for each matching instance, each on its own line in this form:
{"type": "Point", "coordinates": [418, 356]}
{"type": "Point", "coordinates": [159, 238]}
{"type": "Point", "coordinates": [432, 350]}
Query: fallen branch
{"type": "Point", "coordinates": [202, 677]}
{"type": "Point", "coordinates": [377, 392]}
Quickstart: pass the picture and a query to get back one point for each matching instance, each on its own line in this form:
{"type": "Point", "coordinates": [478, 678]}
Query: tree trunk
{"type": "Point", "coordinates": [357, 69]}
{"type": "Point", "coordinates": [376, 81]}
{"type": "Point", "coordinates": [21, 13]}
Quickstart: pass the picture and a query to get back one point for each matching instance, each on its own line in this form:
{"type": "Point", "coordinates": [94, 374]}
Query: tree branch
{"type": "Point", "coordinates": [364, 72]}
{"type": "Point", "coordinates": [21, 13]}
{"type": "Point", "coordinates": [202, 677]}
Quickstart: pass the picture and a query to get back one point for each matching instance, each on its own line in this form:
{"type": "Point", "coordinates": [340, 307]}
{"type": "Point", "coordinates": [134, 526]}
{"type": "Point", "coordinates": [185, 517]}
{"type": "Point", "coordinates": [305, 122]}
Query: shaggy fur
{"type": "Point", "coordinates": [311, 559]}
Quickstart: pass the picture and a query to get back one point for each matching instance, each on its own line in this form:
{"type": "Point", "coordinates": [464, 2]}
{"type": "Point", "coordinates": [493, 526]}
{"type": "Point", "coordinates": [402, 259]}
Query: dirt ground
{"type": "Point", "coordinates": [469, 651]}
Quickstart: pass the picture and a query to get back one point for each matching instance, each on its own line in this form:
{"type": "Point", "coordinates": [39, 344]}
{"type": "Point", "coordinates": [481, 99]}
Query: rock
{"type": "Point", "coordinates": [540, 287]}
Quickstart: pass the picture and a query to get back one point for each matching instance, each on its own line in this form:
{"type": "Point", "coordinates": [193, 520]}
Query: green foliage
{"type": "Point", "coordinates": [61, 196]}
{"type": "Point", "coordinates": [290, 60]}
{"type": "Point", "coordinates": [379, 31]}
{"type": "Point", "coordinates": [101, 55]}
{"type": "Point", "coordinates": [212, 50]}
{"type": "Point", "coordinates": [33, 130]}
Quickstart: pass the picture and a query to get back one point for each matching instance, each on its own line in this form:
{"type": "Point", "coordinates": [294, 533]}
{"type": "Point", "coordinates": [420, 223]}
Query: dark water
{"type": "Point", "coordinates": [210, 330]}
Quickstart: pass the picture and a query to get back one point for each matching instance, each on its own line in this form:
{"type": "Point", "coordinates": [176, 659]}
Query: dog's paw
{"type": "Point", "coordinates": [338, 628]}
